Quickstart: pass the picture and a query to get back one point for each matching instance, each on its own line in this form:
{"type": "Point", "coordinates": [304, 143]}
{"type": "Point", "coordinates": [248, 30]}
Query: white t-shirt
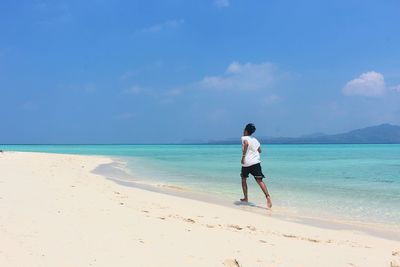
{"type": "Point", "coordinates": [252, 155]}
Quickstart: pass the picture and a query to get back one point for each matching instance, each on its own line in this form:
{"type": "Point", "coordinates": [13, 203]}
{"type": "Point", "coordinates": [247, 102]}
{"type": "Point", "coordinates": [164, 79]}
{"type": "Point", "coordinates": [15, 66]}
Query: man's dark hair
{"type": "Point", "coordinates": [250, 128]}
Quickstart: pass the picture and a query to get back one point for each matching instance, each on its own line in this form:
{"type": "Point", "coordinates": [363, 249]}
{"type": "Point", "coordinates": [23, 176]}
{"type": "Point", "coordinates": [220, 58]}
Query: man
{"type": "Point", "coordinates": [251, 163]}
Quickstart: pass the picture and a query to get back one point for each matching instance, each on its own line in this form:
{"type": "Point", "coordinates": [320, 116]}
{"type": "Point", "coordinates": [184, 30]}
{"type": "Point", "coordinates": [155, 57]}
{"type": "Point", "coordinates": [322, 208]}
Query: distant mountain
{"type": "Point", "coordinates": [381, 134]}
{"type": "Point", "coordinates": [312, 135]}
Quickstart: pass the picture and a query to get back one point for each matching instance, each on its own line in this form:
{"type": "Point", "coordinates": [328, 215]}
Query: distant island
{"type": "Point", "coordinates": [380, 134]}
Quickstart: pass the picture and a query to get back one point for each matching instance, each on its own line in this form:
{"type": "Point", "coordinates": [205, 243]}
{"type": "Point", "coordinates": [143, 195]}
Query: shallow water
{"type": "Point", "coordinates": [350, 182]}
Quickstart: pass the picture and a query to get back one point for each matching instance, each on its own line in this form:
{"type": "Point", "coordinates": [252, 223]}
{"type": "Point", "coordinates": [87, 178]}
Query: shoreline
{"type": "Point", "coordinates": [116, 169]}
{"type": "Point", "coordinates": [322, 188]}
{"type": "Point", "coordinates": [57, 212]}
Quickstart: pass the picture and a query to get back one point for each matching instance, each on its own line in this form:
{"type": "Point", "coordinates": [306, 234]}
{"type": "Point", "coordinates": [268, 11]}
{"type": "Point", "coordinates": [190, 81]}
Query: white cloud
{"type": "Point", "coordinates": [369, 84]}
{"type": "Point", "coordinates": [222, 3]}
{"type": "Point", "coordinates": [234, 67]}
{"type": "Point", "coordinates": [169, 24]}
{"type": "Point", "coordinates": [248, 76]}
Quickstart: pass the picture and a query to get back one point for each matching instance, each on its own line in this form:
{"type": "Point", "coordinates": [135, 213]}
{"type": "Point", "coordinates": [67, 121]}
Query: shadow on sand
{"type": "Point", "coordinates": [247, 204]}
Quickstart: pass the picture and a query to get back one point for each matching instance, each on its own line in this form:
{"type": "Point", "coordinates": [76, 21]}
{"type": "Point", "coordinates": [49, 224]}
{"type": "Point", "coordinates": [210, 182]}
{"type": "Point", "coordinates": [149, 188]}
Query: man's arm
{"type": "Point", "coordinates": [244, 150]}
{"type": "Point", "coordinates": [259, 149]}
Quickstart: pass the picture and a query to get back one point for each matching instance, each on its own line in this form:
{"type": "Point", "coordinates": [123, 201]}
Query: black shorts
{"type": "Point", "coordinates": [254, 170]}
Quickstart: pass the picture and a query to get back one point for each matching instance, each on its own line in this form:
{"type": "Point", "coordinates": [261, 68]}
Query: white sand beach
{"type": "Point", "coordinates": [56, 212]}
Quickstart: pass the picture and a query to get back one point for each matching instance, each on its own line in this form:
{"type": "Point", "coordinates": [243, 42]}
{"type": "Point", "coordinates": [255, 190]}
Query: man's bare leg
{"type": "Point", "coordinates": [244, 187]}
{"type": "Point", "coordinates": [265, 190]}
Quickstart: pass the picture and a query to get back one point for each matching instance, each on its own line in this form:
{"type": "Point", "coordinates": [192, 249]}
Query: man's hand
{"type": "Point", "coordinates": [242, 161]}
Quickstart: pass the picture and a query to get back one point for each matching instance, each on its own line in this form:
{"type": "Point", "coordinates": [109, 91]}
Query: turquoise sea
{"type": "Point", "coordinates": [359, 183]}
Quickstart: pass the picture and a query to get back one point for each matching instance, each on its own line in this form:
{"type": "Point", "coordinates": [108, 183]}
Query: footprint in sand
{"type": "Point", "coordinates": [237, 227]}
{"type": "Point", "coordinates": [265, 242]}
{"type": "Point", "coordinates": [190, 220]}
{"type": "Point", "coordinates": [231, 263]}
{"type": "Point", "coordinates": [290, 236]}
{"type": "Point", "coordinates": [252, 228]}
{"type": "Point", "coordinates": [396, 261]}
{"type": "Point", "coordinates": [302, 238]}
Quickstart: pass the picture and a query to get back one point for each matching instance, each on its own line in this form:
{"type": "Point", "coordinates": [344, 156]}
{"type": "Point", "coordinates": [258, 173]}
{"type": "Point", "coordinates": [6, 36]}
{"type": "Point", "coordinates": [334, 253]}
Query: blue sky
{"type": "Point", "coordinates": [101, 71]}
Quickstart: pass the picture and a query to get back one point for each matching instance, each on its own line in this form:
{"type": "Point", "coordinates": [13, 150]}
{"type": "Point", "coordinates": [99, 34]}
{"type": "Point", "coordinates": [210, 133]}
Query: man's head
{"type": "Point", "coordinates": [249, 129]}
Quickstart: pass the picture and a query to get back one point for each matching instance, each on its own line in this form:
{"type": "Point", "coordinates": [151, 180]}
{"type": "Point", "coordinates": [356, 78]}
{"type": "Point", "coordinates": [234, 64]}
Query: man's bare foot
{"type": "Point", "coordinates": [244, 200]}
{"type": "Point", "coordinates": [269, 202]}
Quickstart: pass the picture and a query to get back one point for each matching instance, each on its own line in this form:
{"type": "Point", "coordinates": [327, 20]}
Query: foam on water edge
{"type": "Point", "coordinates": [118, 172]}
